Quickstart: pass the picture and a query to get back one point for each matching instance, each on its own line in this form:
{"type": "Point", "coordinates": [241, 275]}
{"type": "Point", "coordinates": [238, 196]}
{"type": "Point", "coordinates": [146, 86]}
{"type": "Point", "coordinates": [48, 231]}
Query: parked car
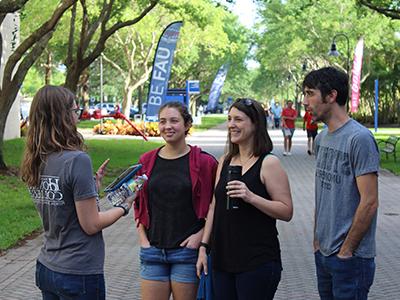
{"type": "Point", "coordinates": [218, 109]}
{"type": "Point", "coordinates": [106, 107]}
{"type": "Point", "coordinates": [133, 112]}
{"type": "Point", "coordinates": [24, 113]}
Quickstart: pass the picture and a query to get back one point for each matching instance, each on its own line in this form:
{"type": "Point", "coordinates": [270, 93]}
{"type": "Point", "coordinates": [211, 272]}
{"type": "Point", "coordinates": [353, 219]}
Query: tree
{"type": "Point", "coordinates": [302, 31]}
{"type": "Point", "coordinates": [389, 8]}
{"type": "Point", "coordinates": [137, 64]}
{"type": "Point", "coordinates": [95, 30]}
{"type": "Point", "coordinates": [19, 62]}
{"type": "Point", "coordinates": [210, 36]}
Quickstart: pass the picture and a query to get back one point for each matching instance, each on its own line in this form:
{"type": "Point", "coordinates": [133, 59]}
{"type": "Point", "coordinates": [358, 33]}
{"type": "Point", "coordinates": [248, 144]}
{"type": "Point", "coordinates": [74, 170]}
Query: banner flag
{"type": "Point", "coordinates": [216, 87]}
{"type": "Point", "coordinates": [356, 76]}
{"type": "Point", "coordinates": [162, 69]}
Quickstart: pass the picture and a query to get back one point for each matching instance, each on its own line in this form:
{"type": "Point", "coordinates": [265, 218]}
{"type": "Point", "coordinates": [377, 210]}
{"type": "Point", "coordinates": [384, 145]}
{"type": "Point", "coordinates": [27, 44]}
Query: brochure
{"type": "Point", "coordinates": [122, 178]}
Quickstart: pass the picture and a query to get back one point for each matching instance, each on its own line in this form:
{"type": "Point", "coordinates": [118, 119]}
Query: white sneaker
{"type": "Point", "coordinates": [289, 153]}
{"type": "Point", "coordinates": [284, 153]}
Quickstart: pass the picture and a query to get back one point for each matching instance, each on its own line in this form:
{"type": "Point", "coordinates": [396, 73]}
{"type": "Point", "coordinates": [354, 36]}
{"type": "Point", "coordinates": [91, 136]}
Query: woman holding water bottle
{"type": "Point", "coordinates": [252, 191]}
{"type": "Point", "coordinates": [60, 179]}
{"type": "Point", "coordinates": [171, 208]}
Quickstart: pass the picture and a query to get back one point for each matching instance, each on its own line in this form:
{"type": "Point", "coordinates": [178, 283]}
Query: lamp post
{"type": "Point", "coordinates": [333, 51]}
{"type": "Point", "coordinates": [101, 91]}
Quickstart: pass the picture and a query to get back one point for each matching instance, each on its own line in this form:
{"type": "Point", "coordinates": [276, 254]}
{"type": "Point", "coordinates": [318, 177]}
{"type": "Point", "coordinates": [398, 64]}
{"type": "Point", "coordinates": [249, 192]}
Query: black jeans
{"type": "Point", "coordinates": [258, 284]}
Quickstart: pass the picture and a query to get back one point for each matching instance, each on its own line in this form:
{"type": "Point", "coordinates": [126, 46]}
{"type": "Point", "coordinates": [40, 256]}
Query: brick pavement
{"type": "Point", "coordinates": [298, 277]}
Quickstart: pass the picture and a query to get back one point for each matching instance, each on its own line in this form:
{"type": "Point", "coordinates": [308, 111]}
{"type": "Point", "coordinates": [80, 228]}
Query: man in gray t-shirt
{"type": "Point", "coordinates": [346, 190]}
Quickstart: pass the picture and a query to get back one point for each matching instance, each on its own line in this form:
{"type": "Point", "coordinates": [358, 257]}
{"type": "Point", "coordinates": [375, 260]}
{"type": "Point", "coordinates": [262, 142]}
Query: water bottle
{"type": "Point", "coordinates": [127, 189]}
{"type": "Point", "coordinates": [234, 173]}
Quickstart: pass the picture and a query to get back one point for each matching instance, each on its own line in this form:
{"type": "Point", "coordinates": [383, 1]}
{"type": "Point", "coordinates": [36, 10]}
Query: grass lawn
{"type": "Point", "coordinates": [388, 163]}
{"type": "Point", "coordinates": [18, 216]}
{"type": "Point", "coordinates": [84, 124]}
{"type": "Point", "coordinates": [207, 122]}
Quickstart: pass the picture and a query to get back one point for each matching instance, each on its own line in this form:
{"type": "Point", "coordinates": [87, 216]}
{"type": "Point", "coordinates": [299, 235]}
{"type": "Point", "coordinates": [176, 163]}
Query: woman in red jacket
{"type": "Point", "coordinates": [171, 208]}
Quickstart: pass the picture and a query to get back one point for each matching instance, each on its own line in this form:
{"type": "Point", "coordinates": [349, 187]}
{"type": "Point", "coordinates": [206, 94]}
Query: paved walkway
{"type": "Point", "coordinates": [298, 277]}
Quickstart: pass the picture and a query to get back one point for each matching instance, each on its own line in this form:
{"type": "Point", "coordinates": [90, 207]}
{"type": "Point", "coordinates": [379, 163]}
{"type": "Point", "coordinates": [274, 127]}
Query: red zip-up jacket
{"type": "Point", "coordinates": [202, 167]}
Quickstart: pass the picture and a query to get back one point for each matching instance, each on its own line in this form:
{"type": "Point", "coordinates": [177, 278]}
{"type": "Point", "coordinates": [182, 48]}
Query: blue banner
{"type": "Point", "coordinates": [216, 87]}
{"type": "Point", "coordinates": [161, 70]}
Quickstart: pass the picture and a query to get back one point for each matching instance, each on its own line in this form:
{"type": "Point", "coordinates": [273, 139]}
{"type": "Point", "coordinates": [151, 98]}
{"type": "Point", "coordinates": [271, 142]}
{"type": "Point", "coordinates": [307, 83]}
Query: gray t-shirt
{"type": "Point", "coordinates": [67, 177]}
{"type": "Point", "coordinates": [342, 155]}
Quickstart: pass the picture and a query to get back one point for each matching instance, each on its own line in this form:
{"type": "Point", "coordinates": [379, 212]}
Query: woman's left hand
{"type": "Point", "coordinates": [193, 241]}
{"type": "Point", "coordinates": [100, 174]}
{"type": "Point", "coordinates": [238, 189]}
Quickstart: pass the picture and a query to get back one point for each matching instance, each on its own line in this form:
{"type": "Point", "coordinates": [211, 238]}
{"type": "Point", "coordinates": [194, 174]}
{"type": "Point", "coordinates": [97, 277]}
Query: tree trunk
{"type": "Point", "coordinates": [47, 68]}
{"type": "Point", "coordinates": [127, 101]}
{"type": "Point", "coordinates": [84, 88]}
{"type": "Point", "coordinates": [72, 79]}
{"type": "Point", "coordinates": [2, 129]}
{"type": "Point", "coordinates": [140, 98]}
{"type": "Point", "coordinates": [5, 105]}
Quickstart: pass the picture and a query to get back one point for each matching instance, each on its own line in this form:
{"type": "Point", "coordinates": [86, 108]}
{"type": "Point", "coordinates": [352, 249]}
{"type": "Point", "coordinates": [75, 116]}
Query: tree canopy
{"type": "Point", "coordinates": [61, 41]}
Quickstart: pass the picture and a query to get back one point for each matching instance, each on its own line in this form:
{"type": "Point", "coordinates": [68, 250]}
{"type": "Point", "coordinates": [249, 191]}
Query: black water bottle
{"type": "Point", "coordinates": [234, 173]}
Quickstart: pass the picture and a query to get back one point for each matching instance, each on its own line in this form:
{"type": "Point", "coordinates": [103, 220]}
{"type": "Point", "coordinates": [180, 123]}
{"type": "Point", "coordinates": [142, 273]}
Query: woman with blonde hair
{"type": "Point", "coordinates": [59, 175]}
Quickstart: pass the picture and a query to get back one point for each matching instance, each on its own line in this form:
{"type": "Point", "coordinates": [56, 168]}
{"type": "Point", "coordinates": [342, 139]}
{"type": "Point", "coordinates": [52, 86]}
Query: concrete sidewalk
{"type": "Point", "coordinates": [298, 277]}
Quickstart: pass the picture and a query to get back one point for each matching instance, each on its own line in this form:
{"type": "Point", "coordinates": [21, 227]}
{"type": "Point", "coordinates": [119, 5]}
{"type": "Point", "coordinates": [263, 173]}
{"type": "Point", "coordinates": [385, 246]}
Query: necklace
{"type": "Point", "coordinates": [246, 162]}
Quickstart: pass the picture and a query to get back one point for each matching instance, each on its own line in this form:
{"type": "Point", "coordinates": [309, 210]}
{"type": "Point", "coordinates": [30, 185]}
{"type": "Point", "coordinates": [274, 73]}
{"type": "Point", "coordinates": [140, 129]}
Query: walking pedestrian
{"type": "Point", "coordinates": [276, 110]}
{"type": "Point", "coordinates": [346, 190]}
{"type": "Point", "coordinates": [171, 209]}
{"type": "Point", "coordinates": [245, 248]}
{"type": "Point", "coordinates": [312, 130]}
{"type": "Point", "coordinates": [60, 179]}
{"type": "Point", "coordinates": [289, 115]}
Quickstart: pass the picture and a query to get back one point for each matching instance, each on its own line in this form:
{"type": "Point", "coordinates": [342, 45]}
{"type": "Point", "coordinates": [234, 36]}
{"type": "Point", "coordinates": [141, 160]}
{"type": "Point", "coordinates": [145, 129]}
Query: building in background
{"type": "Point", "coordinates": [10, 34]}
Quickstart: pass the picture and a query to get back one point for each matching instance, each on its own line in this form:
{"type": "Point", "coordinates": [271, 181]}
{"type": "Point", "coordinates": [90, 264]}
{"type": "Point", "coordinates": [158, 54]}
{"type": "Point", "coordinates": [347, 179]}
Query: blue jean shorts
{"type": "Point", "coordinates": [288, 132]}
{"type": "Point", "coordinates": [168, 264]}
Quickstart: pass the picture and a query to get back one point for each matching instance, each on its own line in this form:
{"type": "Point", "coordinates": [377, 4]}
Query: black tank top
{"type": "Point", "coordinates": [244, 238]}
{"type": "Point", "coordinates": [172, 216]}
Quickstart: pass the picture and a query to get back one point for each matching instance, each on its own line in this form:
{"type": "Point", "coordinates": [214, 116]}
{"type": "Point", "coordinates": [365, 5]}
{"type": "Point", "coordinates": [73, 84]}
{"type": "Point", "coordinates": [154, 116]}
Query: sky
{"type": "Point", "coordinates": [246, 11]}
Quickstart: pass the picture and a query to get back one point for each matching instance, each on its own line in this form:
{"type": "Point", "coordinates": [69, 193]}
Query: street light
{"type": "Point", "coordinates": [333, 51]}
{"type": "Point", "coordinates": [304, 66]}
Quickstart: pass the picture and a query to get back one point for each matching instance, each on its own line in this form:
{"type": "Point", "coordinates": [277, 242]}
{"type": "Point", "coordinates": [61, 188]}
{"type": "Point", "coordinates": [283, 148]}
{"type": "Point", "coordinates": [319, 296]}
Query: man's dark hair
{"type": "Point", "coordinates": [328, 79]}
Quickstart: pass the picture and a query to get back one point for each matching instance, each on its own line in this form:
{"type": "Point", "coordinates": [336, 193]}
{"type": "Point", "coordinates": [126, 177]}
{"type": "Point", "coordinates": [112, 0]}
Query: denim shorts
{"type": "Point", "coordinates": [168, 264]}
{"type": "Point", "coordinates": [56, 286]}
{"type": "Point", "coordinates": [288, 132]}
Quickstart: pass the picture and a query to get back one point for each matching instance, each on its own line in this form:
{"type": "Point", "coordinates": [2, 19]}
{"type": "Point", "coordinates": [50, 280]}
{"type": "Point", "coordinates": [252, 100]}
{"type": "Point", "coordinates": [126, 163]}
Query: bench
{"type": "Point", "coordinates": [389, 145]}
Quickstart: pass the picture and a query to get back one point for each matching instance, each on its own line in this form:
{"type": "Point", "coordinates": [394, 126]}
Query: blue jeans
{"type": "Point", "coordinates": [258, 284]}
{"type": "Point", "coordinates": [60, 286]}
{"type": "Point", "coordinates": [168, 264]}
{"type": "Point", "coordinates": [344, 279]}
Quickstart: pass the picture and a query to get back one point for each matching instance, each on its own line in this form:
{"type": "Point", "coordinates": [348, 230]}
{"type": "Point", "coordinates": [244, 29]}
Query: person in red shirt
{"type": "Point", "coordinates": [289, 115]}
{"type": "Point", "coordinates": [312, 129]}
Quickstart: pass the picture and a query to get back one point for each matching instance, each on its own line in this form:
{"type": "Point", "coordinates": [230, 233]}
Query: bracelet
{"type": "Point", "coordinates": [205, 245]}
{"type": "Point", "coordinates": [125, 207]}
